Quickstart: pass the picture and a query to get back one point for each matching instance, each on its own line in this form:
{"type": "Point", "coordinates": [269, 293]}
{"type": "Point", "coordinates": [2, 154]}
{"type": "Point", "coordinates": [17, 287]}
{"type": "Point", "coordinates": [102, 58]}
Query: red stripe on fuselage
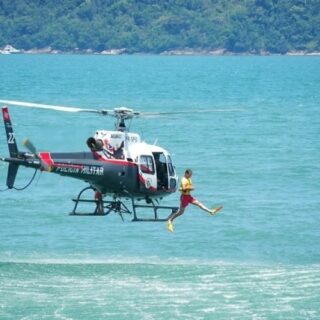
{"type": "Point", "coordinates": [46, 157]}
{"type": "Point", "coordinates": [68, 165]}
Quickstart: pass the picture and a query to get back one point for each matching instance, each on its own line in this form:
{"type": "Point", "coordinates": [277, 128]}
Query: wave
{"type": "Point", "coordinates": [150, 260]}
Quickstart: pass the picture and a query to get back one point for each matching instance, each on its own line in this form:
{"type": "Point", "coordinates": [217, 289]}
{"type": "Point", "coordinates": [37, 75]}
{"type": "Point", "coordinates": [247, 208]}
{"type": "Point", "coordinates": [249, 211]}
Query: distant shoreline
{"type": "Point", "coordinates": [180, 52]}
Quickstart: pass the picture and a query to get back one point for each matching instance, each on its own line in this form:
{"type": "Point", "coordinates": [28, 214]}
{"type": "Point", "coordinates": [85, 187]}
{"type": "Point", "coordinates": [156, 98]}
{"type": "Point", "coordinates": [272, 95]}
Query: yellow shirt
{"type": "Point", "coordinates": [185, 186]}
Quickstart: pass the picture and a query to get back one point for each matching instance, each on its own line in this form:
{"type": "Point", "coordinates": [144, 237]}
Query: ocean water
{"type": "Point", "coordinates": [257, 152]}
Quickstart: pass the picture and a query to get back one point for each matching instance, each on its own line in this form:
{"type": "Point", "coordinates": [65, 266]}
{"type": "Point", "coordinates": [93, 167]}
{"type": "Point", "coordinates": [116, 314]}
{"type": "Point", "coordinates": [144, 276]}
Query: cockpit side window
{"type": "Point", "coordinates": [146, 164]}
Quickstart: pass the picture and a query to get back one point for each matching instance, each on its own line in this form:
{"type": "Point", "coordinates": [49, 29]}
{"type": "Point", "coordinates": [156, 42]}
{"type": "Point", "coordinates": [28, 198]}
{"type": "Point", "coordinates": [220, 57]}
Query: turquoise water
{"type": "Point", "coordinates": [257, 154]}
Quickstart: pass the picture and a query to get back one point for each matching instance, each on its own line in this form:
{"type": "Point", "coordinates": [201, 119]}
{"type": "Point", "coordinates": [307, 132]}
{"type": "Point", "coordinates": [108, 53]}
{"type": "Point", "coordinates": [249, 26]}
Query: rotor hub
{"type": "Point", "coordinates": [122, 114]}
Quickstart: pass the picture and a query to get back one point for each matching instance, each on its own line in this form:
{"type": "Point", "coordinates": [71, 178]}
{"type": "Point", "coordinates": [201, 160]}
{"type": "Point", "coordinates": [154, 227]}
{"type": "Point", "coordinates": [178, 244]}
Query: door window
{"type": "Point", "coordinates": [170, 166]}
{"type": "Point", "coordinates": [146, 164]}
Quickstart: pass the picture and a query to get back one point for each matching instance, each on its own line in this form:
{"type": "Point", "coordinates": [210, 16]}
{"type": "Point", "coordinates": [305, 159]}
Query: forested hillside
{"type": "Point", "coordinates": [151, 26]}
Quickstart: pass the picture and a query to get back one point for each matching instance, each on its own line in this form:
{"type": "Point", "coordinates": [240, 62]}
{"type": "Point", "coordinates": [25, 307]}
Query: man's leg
{"type": "Point", "coordinates": [176, 214]}
{"type": "Point", "coordinates": [173, 216]}
{"type": "Point", "coordinates": [203, 207]}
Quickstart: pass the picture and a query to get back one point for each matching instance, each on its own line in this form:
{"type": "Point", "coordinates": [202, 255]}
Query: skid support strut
{"type": "Point", "coordinates": [102, 208]}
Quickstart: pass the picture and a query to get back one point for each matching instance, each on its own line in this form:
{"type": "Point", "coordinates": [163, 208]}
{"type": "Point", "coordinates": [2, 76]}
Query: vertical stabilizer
{"type": "Point", "coordinates": [13, 149]}
{"type": "Point", "coordinates": [12, 145]}
{"type": "Point", "coordinates": [12, 173]}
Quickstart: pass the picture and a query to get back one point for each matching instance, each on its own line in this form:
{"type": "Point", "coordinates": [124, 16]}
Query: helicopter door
{"type": "Point", "coordinates": [162, 170]}
{"type": "Point", "coordinates": [172, 174]}
{"type": "Point", "coordinates": [147, 172]}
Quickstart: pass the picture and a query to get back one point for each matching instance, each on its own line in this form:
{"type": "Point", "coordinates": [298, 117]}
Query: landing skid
{"type": "Point", "coordinates": [155, 209]}
{"type": "Point", "coordinates": [103, 208]}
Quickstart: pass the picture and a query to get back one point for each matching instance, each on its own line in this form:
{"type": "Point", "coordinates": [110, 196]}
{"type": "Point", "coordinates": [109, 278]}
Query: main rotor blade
{"type": "Point", "coordinates": [51, 107]}
{"type": "Point", "coordinates": [120, 113]}
{"type": "Point", "coordinates": [168, 113]}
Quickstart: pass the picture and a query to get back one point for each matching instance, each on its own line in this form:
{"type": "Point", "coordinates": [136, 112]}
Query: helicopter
{"type": "Point", "coordinates": [118, 164]}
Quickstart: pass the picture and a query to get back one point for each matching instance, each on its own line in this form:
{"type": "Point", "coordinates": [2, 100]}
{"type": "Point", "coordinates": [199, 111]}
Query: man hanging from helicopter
{"type": "Point", "coordinates": [105, 149]}
{"type": "Point", "coordinates": [113, 152]}
{"type": "Point", "coordinates": [186, 198]}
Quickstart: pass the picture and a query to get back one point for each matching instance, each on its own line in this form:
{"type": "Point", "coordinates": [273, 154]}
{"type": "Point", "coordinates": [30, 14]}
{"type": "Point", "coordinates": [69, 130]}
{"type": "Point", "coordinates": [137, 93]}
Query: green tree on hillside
{"type": "Point", "coordinates": [155, 26]}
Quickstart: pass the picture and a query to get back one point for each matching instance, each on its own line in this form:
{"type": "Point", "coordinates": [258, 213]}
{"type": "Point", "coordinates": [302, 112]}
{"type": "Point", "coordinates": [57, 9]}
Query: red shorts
{"type": "Point", "coordinates": [185, 200]}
